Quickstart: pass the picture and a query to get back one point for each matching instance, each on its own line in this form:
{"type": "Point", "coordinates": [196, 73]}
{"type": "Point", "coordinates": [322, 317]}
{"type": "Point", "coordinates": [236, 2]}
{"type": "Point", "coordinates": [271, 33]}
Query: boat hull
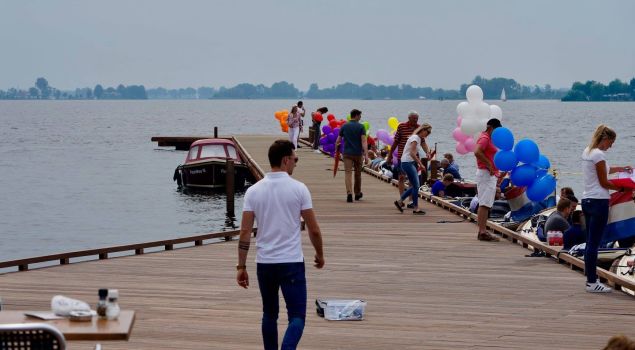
{"type": "Point", "coordinates": [211, 175]}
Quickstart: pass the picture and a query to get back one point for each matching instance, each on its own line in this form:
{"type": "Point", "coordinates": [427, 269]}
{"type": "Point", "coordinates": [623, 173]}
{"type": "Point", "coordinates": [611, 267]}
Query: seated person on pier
{"type": "Point", "coordinates": [448, 168]}
{"type": "Point", "coordinates": [565, 192]}
{"type": "Point", "coordinates": [557, 221]}
{"type": "Point", "coordinates": [376, 163]}
{"type": "Point", "coordinates": [574, 205]}
{"type": "Point", "coordinates": [438, 189]}
{"type": "Point", "coordinates": [576, 234]}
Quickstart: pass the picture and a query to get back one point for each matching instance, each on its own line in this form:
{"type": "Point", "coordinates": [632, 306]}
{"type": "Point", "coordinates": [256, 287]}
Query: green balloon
{"type": "Point", "coordinates": [348, 118]}
{"type": "Point", "coordinates": [366, 125]}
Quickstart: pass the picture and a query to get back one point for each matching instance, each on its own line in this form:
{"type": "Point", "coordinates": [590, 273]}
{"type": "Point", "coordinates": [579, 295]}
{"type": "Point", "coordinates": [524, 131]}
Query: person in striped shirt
{"type": "Point", "coordinates": [404, 131]}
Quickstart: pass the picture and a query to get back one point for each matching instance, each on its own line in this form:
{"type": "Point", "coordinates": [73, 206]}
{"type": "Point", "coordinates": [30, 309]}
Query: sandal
{"type": "Point", "coordinates": [419, 212]}
{"type": "Point", "coordinates": [487, 237]}
{"type": "Point", "coordinates": [398, 206]}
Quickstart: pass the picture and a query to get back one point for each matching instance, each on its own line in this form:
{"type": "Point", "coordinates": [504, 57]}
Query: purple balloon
{"type": "Point", "coordinates": [326, 129]}
{"type": "Point", "coordinates": [331, 138]}
{"type": "Point", "coordinates": [336, 131]}
{"type": "Point", "coordinates": [324, 140]}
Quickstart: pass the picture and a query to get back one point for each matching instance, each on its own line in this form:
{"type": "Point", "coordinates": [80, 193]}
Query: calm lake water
{"type": "Point", "coordinates": [84, 174]}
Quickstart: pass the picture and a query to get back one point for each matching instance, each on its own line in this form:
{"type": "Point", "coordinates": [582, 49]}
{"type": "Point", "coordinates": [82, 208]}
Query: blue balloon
{"type": "Point", "coordinates": [541, 173]}
{"type": "Point", "coordinates": [523, 175]}
{"type": "Point", "coordinates": [527, 151]}
{"type": "Point", "coordinates": [326, 129]}
{"type": "Point", "coordinates": [503, 139]}
{"type": "Point", "coordinates": [505, 160]}
{"type": "Point", "coordinates": [541, 188]}
{"type": "Point", "coordinates": [543, 162]}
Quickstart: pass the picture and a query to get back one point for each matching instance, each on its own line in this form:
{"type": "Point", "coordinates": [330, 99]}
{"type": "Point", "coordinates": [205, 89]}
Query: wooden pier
{"type": "Point", "coordinates": [428, 282]}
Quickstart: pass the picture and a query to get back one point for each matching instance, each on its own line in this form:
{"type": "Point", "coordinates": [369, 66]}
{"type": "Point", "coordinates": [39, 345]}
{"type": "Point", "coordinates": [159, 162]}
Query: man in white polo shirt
{"type": "Point", "coordinates": [277, 202]}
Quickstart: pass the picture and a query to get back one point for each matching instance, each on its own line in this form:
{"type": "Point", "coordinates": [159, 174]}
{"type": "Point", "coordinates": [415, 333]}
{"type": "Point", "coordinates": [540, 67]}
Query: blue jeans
{"type": "Point", "coordinates": [411, 171]}
{"type": "Point", "coordinates": [596, 213]}
{"type": "Point", "coordinates": [290, 278]}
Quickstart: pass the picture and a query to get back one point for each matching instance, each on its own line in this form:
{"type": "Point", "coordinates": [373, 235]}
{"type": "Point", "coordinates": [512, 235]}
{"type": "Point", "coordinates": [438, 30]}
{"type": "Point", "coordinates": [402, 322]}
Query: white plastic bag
{"type": "Point", "coordinates": [344, 310]}
{"type": "Point", "coordinates": [62, 306]}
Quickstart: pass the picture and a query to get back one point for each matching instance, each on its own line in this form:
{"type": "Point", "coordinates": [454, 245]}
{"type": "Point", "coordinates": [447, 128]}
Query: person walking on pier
{"type": "Point", "coordinates": [404, 131]}
{"type": "Point", "coordinates": [595, 200]}
{"type": "Point", "coordinates": [302, 111]}
{"type": "Point", "coordinates": [293, 120]}
{"type": "Point", "coordinates": [277, 202]}
{"type": "Point", "coordinates": [320, 112]}
{"type": "Point", "coordinates": [355, 154]}
{"type": "Point", "coordinates": [486, 179]}
{"type": "Point", "coordinates": [415, 149]}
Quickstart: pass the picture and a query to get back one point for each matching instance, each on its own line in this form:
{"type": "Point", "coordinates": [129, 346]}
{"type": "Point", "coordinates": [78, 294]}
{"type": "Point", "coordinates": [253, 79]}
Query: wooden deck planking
{"type": "Point", "coordinates": [428, 284]}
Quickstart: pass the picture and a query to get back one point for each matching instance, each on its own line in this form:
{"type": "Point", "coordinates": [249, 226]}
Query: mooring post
{"type": "Point", "coordinates": [216, 132]}
{"type": "Point", "coordinates": [229, 186]}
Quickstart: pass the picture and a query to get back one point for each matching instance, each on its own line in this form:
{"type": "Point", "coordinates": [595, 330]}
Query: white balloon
{"type": "Point", "coordinates": [496, 112]}
{"type": "Point", "coordinates": [482, 125]}
{"type": "Point", "coordinates": [470, 126]}
{"type": "Point", "coordinates": [460, 108]}
{"type": "Point", "coordinates": [469, 111]}
{"type": "Point", "coordinates": [474, 93]}
{"type": "Point", "coordinates": [482, 110]}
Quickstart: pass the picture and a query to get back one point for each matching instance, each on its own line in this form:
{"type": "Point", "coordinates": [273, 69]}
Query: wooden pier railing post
{"type": "Point", "coordinates": [216, 132]}
{"type": "Point", "coordinates": [229, 186]}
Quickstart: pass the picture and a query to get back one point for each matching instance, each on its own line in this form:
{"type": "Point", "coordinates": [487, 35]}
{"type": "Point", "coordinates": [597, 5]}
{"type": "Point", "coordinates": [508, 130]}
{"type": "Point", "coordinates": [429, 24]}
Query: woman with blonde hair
{"type": "Point", "coordinates": [595, 200]}
{"type": "Point", "coordinates": [414, 150]}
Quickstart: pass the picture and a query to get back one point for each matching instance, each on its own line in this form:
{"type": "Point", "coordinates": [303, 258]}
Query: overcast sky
{"type": "Point", "coordinates": [222, 43]}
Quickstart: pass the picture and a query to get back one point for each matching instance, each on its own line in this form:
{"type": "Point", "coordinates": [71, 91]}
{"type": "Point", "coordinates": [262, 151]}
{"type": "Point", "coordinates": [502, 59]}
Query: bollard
{"type": "Point", "coordinates": [216, 132]}
{"type": "Point", "coordinates": [229, 186]}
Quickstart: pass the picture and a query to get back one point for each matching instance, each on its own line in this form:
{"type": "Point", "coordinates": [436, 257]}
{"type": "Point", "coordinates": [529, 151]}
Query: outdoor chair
{"type": "Point", "coordinates": [31, 336]}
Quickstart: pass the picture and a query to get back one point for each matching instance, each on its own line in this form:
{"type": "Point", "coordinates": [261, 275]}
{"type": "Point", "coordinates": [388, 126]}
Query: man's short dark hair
{"type": "Point", "coordinates": [300, 103]}
{"type": "Point", "coordinates": [494, 123]}
{"type": "Point", "coordinates": [563, 204]}
{"type": "Point", "coordinates": [572, 198]}
{"type": "Point", "coordinates": [567, 191]}
{"type": "Point", "coordinates": [356, 113]}
{"type": "Point", "coordinates": [278, 150]}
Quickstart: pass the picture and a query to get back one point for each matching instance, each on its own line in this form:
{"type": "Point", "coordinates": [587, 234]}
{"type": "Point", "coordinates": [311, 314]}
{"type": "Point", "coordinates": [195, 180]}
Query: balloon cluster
{"type": "Point", "coordinates": [388, 138]}
{"type": "Point", "coordinates": [330, 132]}
{"type": "Point", "coordinates": [282, 116]}
{"type": "Point", "coordinates": [472, 119]}
{"type": "Point", "coordinates": [528, 167]}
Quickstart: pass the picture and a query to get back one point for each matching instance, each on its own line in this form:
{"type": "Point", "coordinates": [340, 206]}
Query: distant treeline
{"type": "Point", "coordinates": [594, 91]}
{"type": "Point", "coordinates": [43, 91]}
{"type": "Point", "coordinates": [492, 88]}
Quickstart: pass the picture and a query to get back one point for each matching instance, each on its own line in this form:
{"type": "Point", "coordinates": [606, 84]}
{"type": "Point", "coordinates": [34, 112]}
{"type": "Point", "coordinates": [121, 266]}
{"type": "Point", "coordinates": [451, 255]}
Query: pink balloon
{"type": "Point", "coordinates": [460, 148]}
{"type": "Point", "coordinates": [459, 119]}
{"type": "Point", "coordinates": [458, 135]}
{"type": "Point", "coordinates": [470, 144]}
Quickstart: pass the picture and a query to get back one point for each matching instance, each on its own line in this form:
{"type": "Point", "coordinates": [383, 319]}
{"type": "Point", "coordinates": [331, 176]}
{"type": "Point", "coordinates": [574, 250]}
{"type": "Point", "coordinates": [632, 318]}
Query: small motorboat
{"type": "Point", "coordinates": [206, 163]}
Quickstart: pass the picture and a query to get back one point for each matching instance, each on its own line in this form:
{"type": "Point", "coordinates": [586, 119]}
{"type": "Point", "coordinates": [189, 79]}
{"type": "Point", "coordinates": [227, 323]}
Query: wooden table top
{"type": "Point", "coordinates": [96, 329]}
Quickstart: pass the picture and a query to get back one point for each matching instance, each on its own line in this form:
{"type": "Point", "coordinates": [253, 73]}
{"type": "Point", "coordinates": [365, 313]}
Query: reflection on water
{"type": "Point", "coordinates": [212, 203]}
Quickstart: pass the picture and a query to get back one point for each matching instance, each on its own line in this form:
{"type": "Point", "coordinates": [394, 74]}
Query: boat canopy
{"type": "Point", "coordinates": [207, 149]}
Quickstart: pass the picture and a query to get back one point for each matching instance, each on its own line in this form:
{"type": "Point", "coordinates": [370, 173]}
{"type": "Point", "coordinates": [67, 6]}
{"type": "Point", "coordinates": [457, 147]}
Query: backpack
{"type": "Point", "coordinates": [539, 222]}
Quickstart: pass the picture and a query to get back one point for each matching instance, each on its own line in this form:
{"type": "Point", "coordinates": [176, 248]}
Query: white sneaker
{"type": "Point", "coordinates": [598, 287]}
{"type": "Point", "coordinates": [317, 151]}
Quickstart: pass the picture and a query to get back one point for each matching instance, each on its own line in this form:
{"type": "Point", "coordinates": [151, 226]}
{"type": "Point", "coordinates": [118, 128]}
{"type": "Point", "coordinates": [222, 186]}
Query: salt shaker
{"type": "Point", "coordinates": [112, 308]}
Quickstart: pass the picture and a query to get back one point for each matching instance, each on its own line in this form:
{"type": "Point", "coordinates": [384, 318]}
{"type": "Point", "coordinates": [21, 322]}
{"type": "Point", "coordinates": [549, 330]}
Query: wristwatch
{"type": "Point", "coordinates": [241, 267]}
